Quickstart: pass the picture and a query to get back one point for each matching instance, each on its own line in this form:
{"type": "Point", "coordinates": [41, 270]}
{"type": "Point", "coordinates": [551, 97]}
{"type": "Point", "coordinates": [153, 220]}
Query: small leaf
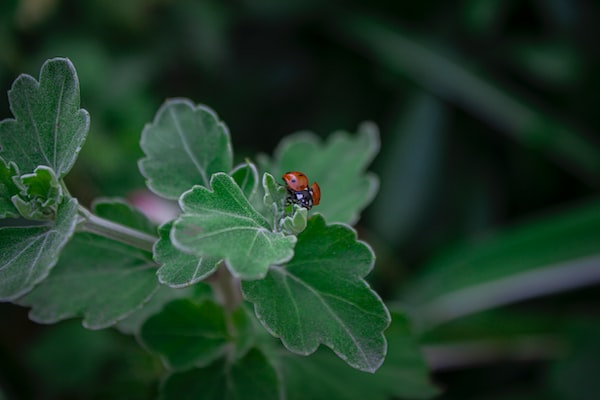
{"type": "Point", "coordinates": [179, 269]}
{"type": "Point", "coordinates": [40, 194]}
{"type": "Point", "coordinates": [184, 146]}
{"type": "Point", "coordinates": [222, 224]}
{"type": "Point", "coordinates": [8, 189]}
{"type": "Point", "coordinates": [49, 127]}
{"type": "Point", "coordinates": [296, 222]}
{"type": "Point", "coordinates": [99, 279]}
{"type": "Point", "coordinates": [251, 377]}
{"type": "Point", "coordinates": [187, 333]}
{"type": "Point", "coordinates": [338, 166]}
{"type": "Point", "coordinates": [27, 254]}
{"type": "Point", "coordinates": [320, 296]}
{"type": "Point", "coordinates": [403, 375]}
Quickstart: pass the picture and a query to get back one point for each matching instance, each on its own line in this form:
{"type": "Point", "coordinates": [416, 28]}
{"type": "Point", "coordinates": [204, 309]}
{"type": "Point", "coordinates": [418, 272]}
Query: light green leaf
{"type": "Point", "coordinates": [338, 165]}
{"type": "Point", "coordinates": [96, 278]}
{"type": "Point", "coordinates": [8, 189]}
{"type": "Point", "coordinates": [179, 269]}
{"type": "Point", "coordinates": [40, 194]}
{"type": "Point", "coordinates": [49, 127]}
{"type": "Point", "coordinates": [251, 377]}
{"type": "Point", "coordinates": [555, 253]}
{"type": "Point", "coordinates": [320, 296]}
{"type": "Point", "coordinates": [403, 375]}
{"type": "Point", "coordinates": [186, 333]}
{"type": "Point", "coordinates": [296, 222]}
{"type": "Point", "coordinates": [184, 146]}
{"type": "Point", "coordinates": [222, 224]}
{"type": "Point", "coordinates": [27, 254]}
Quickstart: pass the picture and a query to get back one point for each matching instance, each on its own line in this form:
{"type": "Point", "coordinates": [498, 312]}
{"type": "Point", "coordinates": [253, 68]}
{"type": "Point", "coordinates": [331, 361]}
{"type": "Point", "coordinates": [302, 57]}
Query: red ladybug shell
{"type": "Point", "coordinates": [315, 191]}
{"type": "Point", "coordinates": [296, 180]}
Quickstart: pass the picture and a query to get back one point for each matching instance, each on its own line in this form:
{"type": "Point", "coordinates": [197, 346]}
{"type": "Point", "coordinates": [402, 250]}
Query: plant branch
{"type": "Point", "coordinates": [121, 233]}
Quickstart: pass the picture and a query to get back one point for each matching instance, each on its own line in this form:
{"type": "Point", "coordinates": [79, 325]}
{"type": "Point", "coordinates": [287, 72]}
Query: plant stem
{"type": "Point", "coordinates": [121, 233]}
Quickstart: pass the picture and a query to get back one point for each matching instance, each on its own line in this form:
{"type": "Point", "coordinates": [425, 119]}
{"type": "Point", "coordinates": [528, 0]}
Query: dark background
{"type": "Point", "coordinates": [488, 111]}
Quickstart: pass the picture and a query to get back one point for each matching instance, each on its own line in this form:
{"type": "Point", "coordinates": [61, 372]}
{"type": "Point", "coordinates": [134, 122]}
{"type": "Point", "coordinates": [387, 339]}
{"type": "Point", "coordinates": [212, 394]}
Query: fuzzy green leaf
{"type": "Point", "coordinates": [320, 296]}
{"type": "Point", "coordinates": [186, 333]}
{"type": "Point", "coordinates": [184, 146]}
{"type": "Point", "coordinates": [338, 165]}
{"type": "Point", "coordinates": [27, 254]}
{"type": "Point", "coordinates": [404, 373]}
{"type": "Point", "coordinates": [222, 224]}
{"type": "Point", "coordinates": [179, 269]}
{"type": "Point", "coordinates": [40, 194]}
{"type": "Point", "coordinates": [49, 127]}
{"type": "Point", "coordinates": [8, 189]}
{"type": "Point", "coordinates": [96, 278]}
{"type": "Point", "coordinates": [251, 377]}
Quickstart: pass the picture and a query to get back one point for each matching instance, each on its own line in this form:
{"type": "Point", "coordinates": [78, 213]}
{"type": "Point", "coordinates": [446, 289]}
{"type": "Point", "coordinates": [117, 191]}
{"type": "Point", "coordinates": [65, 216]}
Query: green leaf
{"type": "Point", "coordinates": [338, 165]}
{"type": "Point", "coordinates": [27, 254]}
{"type": "Point", "coordinates": [40, 194]}
{"type": "Point", "coordinates": [99, 279]}
{"type": "Point", "coordinates": [251, 377]}
{"type": "Point", "coordinates": [296, 222]}
{"type": "Point", "coordinates": [320, 296]}
{"type": "Point", "coordinates": [49, 127]}
{"type": "Point", "coordinates": [552, 254]}
{"type": "Point", "coordinates": [8, 189]}
{"type": "Point", "coordinates": [179, 269]}
{"type": "Point", "coordinates": [184, 146]}
{"type": "Point", "coordinates": [222, 224]}
{"type": "Point", "coordinates": [404, 373]}
{"type": "Point", "coordinates": [186, 333]}
{"type": "Point", "coordinates": [132, 325]}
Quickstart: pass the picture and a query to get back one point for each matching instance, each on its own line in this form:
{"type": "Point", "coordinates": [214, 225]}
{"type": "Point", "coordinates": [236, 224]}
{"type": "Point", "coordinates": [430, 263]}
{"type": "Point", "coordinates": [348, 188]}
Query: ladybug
{"type": "Point", "coordinates": [299, 192]}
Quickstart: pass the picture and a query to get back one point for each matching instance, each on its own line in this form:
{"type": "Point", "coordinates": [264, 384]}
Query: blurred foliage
{"type": "Point", "coordinates": [487, 111]}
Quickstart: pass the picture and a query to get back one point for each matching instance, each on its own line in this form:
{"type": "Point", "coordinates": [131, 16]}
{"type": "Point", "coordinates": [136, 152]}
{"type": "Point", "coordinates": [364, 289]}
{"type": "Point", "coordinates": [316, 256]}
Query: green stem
{"type": "Point", "coordinates": [121, 233]}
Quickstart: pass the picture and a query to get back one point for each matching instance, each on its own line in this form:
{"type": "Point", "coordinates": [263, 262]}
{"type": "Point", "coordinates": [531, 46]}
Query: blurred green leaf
{"type": "Point", "coordinates": [320, 296]}
{"type": "Point", "coordinates": [98, 279]}
{"type": "Point", "coordinates": [403, 373]}
{"type": "Point", "coordinates": [410, 162]}
{"type": "Point", "coordinates": [27, 254]}
{"type": "Point", "coordinates": [551, 62]}
{"type": "Point", "coordinates": [186, 333]}
{"type": "Point", "coordinates": [222, 224]}
{"type": "Point", "coordinates": [184, 146]}
{"type": "Point", "coordinates": [251, 377]}
{"type": "Point", "coordinates": [454, 80]}
{"type": "Point", "coordinates": [179, 269]}
{"type": "Point", "coordinates": [555, 253]}
{"type": "Point", "coordinates": [49, 128]}
{"type": "Point", "coordinates": [338, 165]}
